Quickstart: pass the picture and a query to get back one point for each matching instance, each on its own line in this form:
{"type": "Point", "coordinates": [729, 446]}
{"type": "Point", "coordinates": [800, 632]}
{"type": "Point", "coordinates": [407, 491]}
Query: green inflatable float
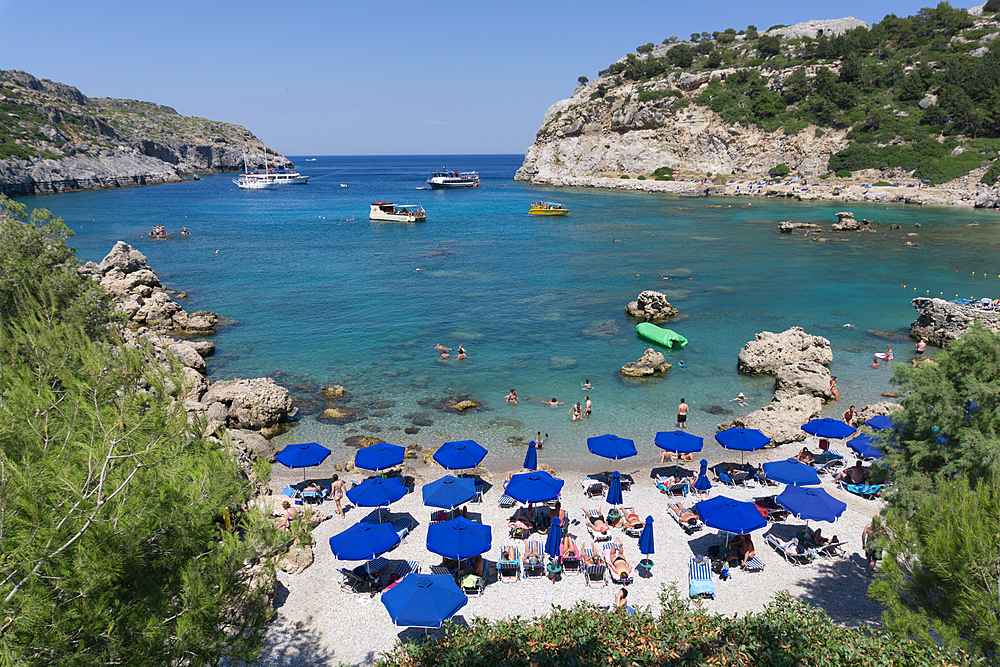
{"type": "Point", "coordinates": [664, 337]}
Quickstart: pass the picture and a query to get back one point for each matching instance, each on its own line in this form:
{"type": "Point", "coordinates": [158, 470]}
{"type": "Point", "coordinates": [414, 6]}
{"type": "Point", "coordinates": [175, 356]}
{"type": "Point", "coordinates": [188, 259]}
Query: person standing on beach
{"type": "Point", "coordinates": [833, 387]}
{"type": "Point", "coordinates": [682, 414]}
{"type": "Point", "coordinates": [588, 406]}
{"type": "Point", "coordinates": [337, 492]}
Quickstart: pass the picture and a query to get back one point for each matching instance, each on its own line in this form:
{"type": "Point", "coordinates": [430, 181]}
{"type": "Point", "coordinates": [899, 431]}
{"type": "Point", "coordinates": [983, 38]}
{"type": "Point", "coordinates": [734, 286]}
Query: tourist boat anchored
{"type": "Point", "coordinates": [268, 179]}
{"type": "Point", "coordinates": [547, 208]}
{"type": "Point", "coordinates": [389, 212]}
{"type": "Point", "coordinates": [446, 178]}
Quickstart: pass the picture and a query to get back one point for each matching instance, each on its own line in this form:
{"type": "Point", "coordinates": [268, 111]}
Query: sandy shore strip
{"type": "Point", "coordinates": [318, 622]}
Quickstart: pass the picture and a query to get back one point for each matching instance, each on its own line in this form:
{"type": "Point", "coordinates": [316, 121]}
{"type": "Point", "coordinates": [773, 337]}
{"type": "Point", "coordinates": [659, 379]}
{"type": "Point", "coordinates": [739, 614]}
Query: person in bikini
{"type": "Point", "coordinates": [523, 518]}
{"type": "Point", "coordinates": [632, 520]}
{"type": "Point", "coordinates": [337, 492]}
{"type": "Point", "coordinates": [569, 549]}
{"type": "Point", "coordinates": [461, 352]}
{"type": "Point", "coordinates": [618, 561]}
{"type": "Point", "coordinates": [553, 402]}
{"type": "Point", "coordinates": [575, 412]}
{"type": "Point", "coordinates": [850, 414]}
{"type": "Point", "coordinates": [684, 514]}
{"type": "Point", "coordinates": [290, 513]}
{"type": "Point", "coordinates": [511, 397]}
{"type": "Point", "coordinates": [805, 456]}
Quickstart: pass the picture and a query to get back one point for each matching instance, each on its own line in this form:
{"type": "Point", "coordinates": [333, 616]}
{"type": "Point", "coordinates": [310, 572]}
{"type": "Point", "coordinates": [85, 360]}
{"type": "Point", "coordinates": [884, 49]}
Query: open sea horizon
{"type": "Point", "coordinates": [313, 294]}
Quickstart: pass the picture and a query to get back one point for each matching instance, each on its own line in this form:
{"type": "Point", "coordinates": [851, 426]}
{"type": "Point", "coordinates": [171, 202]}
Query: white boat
{"type": "Point", "coordinates": [268, 179]}
{"type": "Point", "coordinates": [389, 212]}
{"type": "Point", "coordinates": [447, 178]}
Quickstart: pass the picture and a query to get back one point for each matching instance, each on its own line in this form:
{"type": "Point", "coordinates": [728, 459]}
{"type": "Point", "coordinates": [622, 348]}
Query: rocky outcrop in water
{"type": "Point", "coordinates": [768, 352]}
{"type": "Point", "coordinates": [64, 141]}
{"type": "Point", "coordinates": [651, 306]}
{"type": "Point", "coordinates": [780, 420]}
{"type": "Point", "coordinates": [940, 322]}
{"type": "Point", "coordinates": [650, 363]}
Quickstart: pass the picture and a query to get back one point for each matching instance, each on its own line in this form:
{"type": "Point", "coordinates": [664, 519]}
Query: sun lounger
{"type": "Point", "coordinates": [506, 501]}
{"type": "Point", "coordinates": [868, 491]}
{"type": "Point", "coordinates": [593, 487]}
{"type": "Point", "coordinates": [406, 567]}
{"type": "Point", "coordinates": [312, 497]}
{"type": "Point", "coordinates": [538, 569]}
{"type": "Point", "coordinates": [595, 572]}
{"type": "Point", "coordinates": [480, 490]}
{"type": "Point", "coordinates": [770, 509]}
{"type": "Point", "coordinates": [572, 564]}
{"type": "Point", "coordinates": [402, 525]}
{"type": "Point", "coordinates": [791, 551]}
{"type": "Point", "coordinates": [686, 518]}
{"type": "Point", "coordinates": [631, 531]}
{"type": "Point", "coordinates": [365, 577]}
{"type": "Point", "coordinates": [700, 577]}
{"type": "Point", "coordinates": [377, 515]}
{"type": "Point", "coordinates": [509, 569]}
{"type": "Point", "coordinates": [592, 515]}
{"type": "Point", "coordinates": [472, 584]}
{"type": "Point", "coordinates": [615, 575]}
{"type": "Point", "coordinates": [670, 486]}
{"type": "Point", "coordinates": [753, 565]}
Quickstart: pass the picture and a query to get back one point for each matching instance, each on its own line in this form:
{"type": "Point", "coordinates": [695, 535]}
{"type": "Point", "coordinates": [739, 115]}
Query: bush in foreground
{"type": "Point", "coordinates": [787, 632]}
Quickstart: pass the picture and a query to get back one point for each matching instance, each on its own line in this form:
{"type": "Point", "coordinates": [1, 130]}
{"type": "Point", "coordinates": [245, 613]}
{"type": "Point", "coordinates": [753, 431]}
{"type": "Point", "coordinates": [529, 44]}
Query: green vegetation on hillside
{"type": "Point", "coordinates": [114, 547]}
{"type": "Point", "coordinates": [920, 93]}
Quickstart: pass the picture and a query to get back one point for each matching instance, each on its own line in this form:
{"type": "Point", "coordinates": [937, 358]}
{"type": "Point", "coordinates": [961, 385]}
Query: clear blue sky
{"type": "Point", "coordinates": [367, 78]}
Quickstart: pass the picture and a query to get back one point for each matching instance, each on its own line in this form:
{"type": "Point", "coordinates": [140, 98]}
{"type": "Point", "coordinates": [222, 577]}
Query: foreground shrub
{"type": "Point", "coordinates": [787, 632]}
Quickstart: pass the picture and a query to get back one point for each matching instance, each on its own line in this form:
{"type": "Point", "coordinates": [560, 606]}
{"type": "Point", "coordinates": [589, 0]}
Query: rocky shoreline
{"type": "Point", "coordinates": [248, 411]}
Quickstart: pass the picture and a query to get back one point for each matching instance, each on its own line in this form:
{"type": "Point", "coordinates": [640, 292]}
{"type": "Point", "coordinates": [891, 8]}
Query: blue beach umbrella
{"type": "Point", "coordinates": [379, 456]}
{"type": "Point", "coordinates": [376, 492]}
{"type": "Point", "coordinates": [646, 541]}
{"type": "Point", "coordinates": [742, 439]}
{"type": "Point", "coordinates": [678, 442]}
{"type": "Point", "coordinates": [862, 446]}
{"type": "Point", "coordinates": [531, 457]}
{"type": "Point", "coordinates": [815, 504]}
{"type": "Point", "coordinates": [879, 422]}
{"type": "Point", "coordinates": [363, 541]}
{"type": "Point", "coordinates": [534, 487]}
{"type": "Point", "coordinates": [792, 472]}
{"type": "Point", "coordinates": [424, 600]}
{"type": "Point", "coordinates": [553, 543]}
{"type": "Point", "coordinates": [828, 428]}
{"type": "Point", "coordinates": [611, 447]}
{"type": "Point", "coordinates": [459, 455]}
{"type": "Point", "coordinates": [733, 516]}
{"type": "Point", "coordinates": [459, 538]}
{"type": "Point", "coordinates": [702, 483]}
{"type": "Point", "coordinates": [615, 489]}
{"type": "Point", "coordinates": [305, 455]}
{"type": "Point", "coordinates": [449, 492]}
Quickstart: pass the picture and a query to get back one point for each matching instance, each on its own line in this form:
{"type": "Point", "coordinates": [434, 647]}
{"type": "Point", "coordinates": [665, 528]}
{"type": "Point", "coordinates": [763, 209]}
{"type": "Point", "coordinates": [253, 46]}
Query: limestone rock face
{"type": "Point", "coordinates": [251, 445]}
{"type": "Point", "coordinates": [296, 560]}
{"type": "Point", "coordinates": [253, 404]}
{"type": "Point", "coordinates": [781, 420]}
{"type": "Point", "coordinates": [829, 28]}
{"type": "Point", "coordinates": [804, 378]}
{"type": "Point", "coordinates": [988, 197]}
{"type": "Point", "coordinates": [887, 408]}
{"type": "Point", "coordinates": [846, 223]}
{"type": "Point", "coordinates": [107, 143]}
{"type": "Point", "coordinates": [650, 363]}
{"type": "Point", "coordinates": [769, 352]}
{"type": "Point", "coordinates": [940, 322]}
{"type": "Point", "coordinates": [651, 306]}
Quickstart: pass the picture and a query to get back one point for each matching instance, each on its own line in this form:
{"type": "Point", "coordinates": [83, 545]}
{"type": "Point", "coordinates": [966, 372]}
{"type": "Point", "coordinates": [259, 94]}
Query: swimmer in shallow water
{"type": "Point", "coordinates": [553, 402]}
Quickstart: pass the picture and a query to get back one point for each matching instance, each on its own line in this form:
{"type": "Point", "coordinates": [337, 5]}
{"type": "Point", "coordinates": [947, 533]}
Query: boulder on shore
{"type": "Point", "coordinates": [252, 404]}
{"type": "Point", "coordinates": [806, 378]}
{"type": "Point", "coordinates": [781, 420]}
{"type": "Point", "coordinates": [651, 306]}
{"type": "Point", "coordinates": [650, 363]}
{"type": "Point", "coordinates": [769, 352]}
{"type": "Point", "coordinates": [940, 322]}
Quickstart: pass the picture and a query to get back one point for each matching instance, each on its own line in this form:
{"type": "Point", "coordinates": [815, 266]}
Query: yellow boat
{"type": "Point", "coordinates": [547, 208]}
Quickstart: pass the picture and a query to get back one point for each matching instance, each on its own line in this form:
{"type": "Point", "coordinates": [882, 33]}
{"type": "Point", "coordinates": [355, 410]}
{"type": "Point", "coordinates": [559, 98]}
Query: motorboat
{"type": "Point", "coordinates": [447, 178]}
{"type": "Point", "coordinates": [547, 208]}
{"type": "Point", "coordinates": [389, 212]}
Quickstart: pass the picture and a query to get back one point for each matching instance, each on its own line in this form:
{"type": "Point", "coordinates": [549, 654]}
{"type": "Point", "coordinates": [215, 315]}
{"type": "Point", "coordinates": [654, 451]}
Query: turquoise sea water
{"type": "Point", "coordinates": [317, 294]}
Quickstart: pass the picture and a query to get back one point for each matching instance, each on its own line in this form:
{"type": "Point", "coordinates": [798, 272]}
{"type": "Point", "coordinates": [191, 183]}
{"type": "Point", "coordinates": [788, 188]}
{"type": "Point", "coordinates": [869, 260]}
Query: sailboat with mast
{"type": "Point", "coordinates": [267, 179]}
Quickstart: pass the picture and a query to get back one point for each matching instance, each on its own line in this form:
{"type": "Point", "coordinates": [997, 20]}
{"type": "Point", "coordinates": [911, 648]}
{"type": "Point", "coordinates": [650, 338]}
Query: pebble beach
{"type": "Point", "coordinates": [318, 622]}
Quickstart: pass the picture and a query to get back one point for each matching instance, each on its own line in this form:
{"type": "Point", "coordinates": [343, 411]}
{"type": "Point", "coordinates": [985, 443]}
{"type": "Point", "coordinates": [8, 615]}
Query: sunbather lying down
{"type": "Point", "coordinates": [569, 550]}
{"type": "Point", "coordinates": [632, 519]}
{"type": "Point", "coordinates": [590, 556]}
{"type": "Point", "coordinates": [792, 546]}
{"type": "Point", "coordinates": [683, 514]}
{"type": "Point", "coordinates": [507, 554]}
{"type": "Point", "coordinates": [618, 561]}
{"type": "Point", "coordinates": [598, 524]}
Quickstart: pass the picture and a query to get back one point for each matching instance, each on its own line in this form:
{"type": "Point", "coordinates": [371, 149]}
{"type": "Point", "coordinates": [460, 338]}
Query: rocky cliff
{"type": "Point", "coordinates": [53, 138]}
{"type": "Point", "coordinates": [738, 107]}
